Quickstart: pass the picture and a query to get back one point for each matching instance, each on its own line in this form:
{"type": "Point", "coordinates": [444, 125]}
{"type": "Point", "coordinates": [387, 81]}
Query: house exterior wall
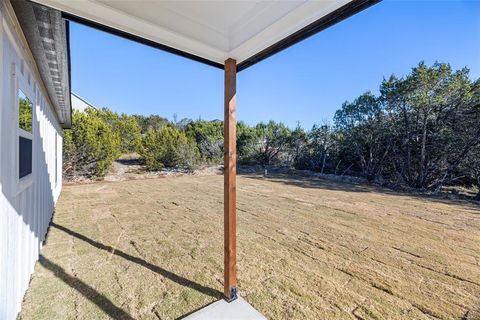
{"type": "Point", "coordinates": [27, 204]}
{"type": "Point", "coordinates": [78, 104]}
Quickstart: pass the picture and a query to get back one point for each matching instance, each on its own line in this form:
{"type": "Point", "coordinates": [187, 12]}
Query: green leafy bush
{"type": "Point", "coordinates": [420, 131]}
{"type": "Point", "coordinates": [127, 129]}
{"type": "Point", "coordinates": [153, 122]}
{"type": "Point", "coordinates": [168, 147]}
{"type": "Point", "coordinates": [273, 142]}
{"type": "Point", "coordinates": [247, 143]}
{"type": "Point", "coordinates": [91, 146]}
{"type": "Point", "coordinates": [209, 138]}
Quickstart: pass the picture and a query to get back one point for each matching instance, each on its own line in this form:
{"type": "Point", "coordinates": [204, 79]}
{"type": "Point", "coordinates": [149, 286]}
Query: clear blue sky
{"type": "Point", "coordinates": [305, 83]}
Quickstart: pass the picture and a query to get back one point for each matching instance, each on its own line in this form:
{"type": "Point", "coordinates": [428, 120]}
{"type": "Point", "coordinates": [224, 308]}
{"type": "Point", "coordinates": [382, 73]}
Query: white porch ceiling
{"type": "Point", "coordinates": [212, 30]}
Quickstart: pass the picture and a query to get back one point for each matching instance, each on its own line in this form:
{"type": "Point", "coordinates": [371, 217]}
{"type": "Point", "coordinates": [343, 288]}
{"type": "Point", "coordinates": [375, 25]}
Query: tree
{"type": "Point", "coordinates": [365, 128]}
{"type": "Point", "coordinates": [273, 141]}
{"type": "Point", "coordinates": [168, 147]}
{"type": "Point", "coordinates": [153, 122]}
{"type": "Point", "coordinates": [468, 172]}
{"type": "Point", "coordinates": [316, 152]}
{"type": "Point", "coordinates": [25, 114]}
{"type": "Point", "coordinates": [182, 124]}
{"type": "Point", "coordinates": [127, 129]}
{"type": "Point", "coordinates": [209, 138]}
{"type": "Point", "coordinates": [423, 131]}
{"type": "Point", "coordinates": [473, 167]}
{"type": "Point", "coordinates": [247, 142]}
{"type": "Point", "coordinates": [91, 146]}
{"type": "Point", "coordinates": [297, 142]}
{"type": "Point", "coordinates": [434, 122]}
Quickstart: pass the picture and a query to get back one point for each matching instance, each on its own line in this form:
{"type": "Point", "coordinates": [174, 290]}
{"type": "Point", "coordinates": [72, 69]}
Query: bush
{"type": "Point", "coordinates": [247, 143]}
{"type": "Point", "coordinates": [129, 132]}
{"type": "Point", "coordinates": [127, 129]}
{"type": "Point", "coordinates": [168, 147]}
{"type": "Point", "coordinates": [209, 138]}
{"type": "Point", "coordinates": [153, 122]}
{"type": "Point", "coordinates": [273, 141]}
{"type": "Point", "coordinates": [90, 147]}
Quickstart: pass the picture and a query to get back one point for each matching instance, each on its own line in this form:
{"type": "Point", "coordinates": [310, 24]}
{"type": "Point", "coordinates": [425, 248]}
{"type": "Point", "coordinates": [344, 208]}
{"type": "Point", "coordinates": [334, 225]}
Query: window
{"type": "Point", "coordinates": [56, 159]}
{"type": "Point", "coordinates": [25, 123]}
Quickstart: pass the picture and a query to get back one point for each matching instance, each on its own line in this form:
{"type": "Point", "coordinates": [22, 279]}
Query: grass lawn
{"type": "Point", "coordinates": [307, 249]}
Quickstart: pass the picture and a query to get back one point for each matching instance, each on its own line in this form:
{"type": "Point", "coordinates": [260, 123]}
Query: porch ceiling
{"type": "Point", "coordinates": [212, 31]}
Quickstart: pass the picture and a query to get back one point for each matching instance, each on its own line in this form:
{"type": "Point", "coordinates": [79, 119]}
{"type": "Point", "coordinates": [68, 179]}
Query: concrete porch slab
{"type": "Point", "coordinates": [222, 310]}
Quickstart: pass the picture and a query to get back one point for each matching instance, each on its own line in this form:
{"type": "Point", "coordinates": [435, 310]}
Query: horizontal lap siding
{"type": "Point", "coordinates": [25, 210]}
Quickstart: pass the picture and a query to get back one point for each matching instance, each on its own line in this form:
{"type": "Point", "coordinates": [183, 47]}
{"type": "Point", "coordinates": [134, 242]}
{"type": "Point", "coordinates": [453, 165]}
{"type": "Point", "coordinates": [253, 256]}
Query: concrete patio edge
{"type": "Point", "coordinates": [222, 310]}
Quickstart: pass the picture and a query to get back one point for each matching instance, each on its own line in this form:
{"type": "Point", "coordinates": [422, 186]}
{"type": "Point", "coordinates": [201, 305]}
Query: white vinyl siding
{"type": "Point", "coordinates": [27, 204]}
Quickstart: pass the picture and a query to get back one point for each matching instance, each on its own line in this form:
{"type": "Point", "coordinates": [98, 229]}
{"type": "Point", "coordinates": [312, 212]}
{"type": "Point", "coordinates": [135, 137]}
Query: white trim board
{"type": "Point", "coordinates": [213, 30]}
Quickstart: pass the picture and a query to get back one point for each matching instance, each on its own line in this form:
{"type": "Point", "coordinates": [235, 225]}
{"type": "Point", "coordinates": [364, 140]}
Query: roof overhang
{"type": "Point", "coordinates": [212, 31]}
{"type": "Point", "coordinates": [47, 35]}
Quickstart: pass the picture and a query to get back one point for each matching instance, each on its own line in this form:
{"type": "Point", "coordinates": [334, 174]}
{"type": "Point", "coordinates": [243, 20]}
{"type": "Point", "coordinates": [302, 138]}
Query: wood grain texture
{"type": "Point", "coordinates": [230, 162]}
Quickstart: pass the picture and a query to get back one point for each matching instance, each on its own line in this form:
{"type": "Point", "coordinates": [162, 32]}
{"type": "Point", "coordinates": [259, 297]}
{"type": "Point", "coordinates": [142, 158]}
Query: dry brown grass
{"type": "Point", "coordinates": [308, 249]}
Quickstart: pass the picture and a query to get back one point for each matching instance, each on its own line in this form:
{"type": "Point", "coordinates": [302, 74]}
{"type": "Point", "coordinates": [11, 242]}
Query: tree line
{"type": "Point", "coordinates": [421, 131]}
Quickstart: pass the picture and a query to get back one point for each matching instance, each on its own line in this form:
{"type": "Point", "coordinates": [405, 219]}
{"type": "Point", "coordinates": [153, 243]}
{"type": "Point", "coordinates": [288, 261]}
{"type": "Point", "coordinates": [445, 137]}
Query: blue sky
{"type": "Point", "coordinates": [305, 83]}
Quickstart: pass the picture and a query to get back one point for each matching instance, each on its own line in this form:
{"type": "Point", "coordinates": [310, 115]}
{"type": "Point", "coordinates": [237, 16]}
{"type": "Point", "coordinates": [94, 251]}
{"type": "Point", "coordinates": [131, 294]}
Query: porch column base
{"type": "Point", "coordinates": [222, 310]}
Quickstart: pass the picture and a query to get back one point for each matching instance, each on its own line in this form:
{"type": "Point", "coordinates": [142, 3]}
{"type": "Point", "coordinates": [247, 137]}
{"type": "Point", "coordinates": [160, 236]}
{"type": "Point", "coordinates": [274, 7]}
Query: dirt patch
{"type": "Point", "coordinates": [308, 248]}
{"type": "Point", "coordinates": [129, 167]}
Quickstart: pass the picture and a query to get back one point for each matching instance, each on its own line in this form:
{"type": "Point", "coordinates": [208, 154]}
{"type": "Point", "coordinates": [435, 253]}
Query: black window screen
{"type": "Point", "coordinates": [56, 159]}
{"type": "Point", "coordinates": [25, 157]}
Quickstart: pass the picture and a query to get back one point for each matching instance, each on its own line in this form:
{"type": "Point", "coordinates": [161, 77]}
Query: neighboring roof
{"type": "Point", "coordinates": [80, 104]}
{"type": "Point", "coordinates": [212, 31]}
{"type": "Point", "coordinates": [47, 35]}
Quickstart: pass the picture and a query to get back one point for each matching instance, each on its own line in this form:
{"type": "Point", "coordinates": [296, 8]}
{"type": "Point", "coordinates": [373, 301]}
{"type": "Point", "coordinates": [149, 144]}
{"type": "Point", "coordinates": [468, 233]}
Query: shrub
{"type": "Point", "coordinates": [129, 132]}
{"type": "Point", "coordinates": [90, 147]}
{"type": "Point", "coordinates": [209, 138]}
{"type": "Point", "coordinates": [247, 143]}
{"type": "Point", "coordinates": [154, 122]}
{"type": "Point", "coordinates": [127, 129]}
{"type": "Point", "coordinates": [273, 142]}
{"type": "Point", "coordinates": [168, 147]}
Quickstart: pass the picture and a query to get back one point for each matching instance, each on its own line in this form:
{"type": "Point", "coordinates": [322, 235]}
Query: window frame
{"type": "Point", "coordinates": [56, 159]}
{"type": "Point", "coordinates": [22, 85]}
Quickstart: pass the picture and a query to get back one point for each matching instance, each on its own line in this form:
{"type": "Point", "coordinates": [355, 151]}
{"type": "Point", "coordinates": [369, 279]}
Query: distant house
{"type": "Point", "coordinates": [80, 104]}
{"type": "Point", "coordinates": [35, 107]}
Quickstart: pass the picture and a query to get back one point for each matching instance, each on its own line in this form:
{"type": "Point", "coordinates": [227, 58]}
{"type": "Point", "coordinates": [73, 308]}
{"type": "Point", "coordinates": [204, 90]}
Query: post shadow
{"type": "Point", "coordinates": [304, 180]}
{"type": "Point", "coordinates": [193, 311]}
{"type": "Point", "coordinates": [165, 273]}
{"type": "Point", "coordinates": [88, 292]}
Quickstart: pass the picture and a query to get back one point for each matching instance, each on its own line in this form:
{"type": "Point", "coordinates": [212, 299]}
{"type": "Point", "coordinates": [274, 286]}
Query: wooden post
{"type": "Point", "coordinates": [229, 186]}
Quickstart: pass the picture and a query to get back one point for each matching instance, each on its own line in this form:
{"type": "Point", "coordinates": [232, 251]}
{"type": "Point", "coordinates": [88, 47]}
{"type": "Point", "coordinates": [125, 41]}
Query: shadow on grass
{"type": "Point", "coordinates": [311, 182]}
{"type": "Point", "coordinates": [165, 273]}
{"type": "Point", "coordinates": [88, 292]}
